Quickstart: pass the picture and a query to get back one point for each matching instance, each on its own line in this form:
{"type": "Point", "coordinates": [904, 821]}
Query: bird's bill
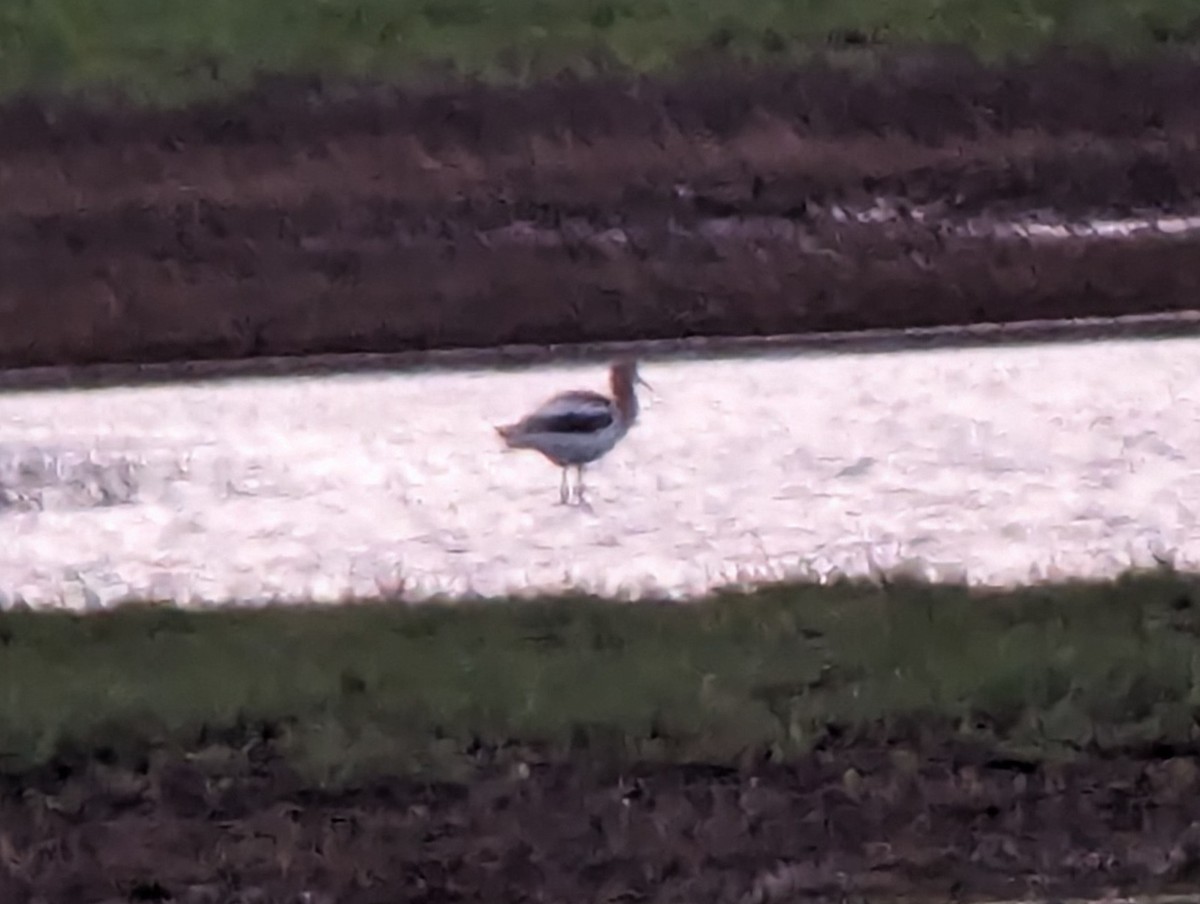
{"type": "Point", "coordinates": [653, 394]}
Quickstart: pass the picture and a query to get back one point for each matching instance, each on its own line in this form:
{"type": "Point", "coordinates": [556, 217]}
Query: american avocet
{"type": "Point", "coordinates": [577, 427]}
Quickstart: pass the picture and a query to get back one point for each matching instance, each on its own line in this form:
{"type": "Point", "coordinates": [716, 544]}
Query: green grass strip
{"type": "Point", "coordinates": [169, 51]}
{"type": "Point", "coordinates": [375, 687]}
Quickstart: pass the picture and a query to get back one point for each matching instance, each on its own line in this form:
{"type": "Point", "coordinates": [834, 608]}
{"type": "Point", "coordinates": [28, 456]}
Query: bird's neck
{"type": "Point", "coordinates": [625, 397]}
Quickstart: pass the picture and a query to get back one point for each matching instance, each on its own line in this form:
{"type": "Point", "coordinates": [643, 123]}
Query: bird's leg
{"type": "Point", "coordinates": [579, 483]}
{"type": "Point", "coordinates": [564, 490]}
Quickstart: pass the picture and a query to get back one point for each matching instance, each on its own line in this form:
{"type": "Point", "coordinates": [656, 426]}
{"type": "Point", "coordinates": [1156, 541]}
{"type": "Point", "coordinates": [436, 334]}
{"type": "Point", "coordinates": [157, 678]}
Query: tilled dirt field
{"type": "Point", "coordinates": [933, 822]}
{"type": "Point", "coordinates": [308, 218]}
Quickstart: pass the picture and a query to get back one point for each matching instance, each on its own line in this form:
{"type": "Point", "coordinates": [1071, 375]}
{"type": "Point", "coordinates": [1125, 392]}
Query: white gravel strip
{"type": "Point", "coordinates": [999, 465]}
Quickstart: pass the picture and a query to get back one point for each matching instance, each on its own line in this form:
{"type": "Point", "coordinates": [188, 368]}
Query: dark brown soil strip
{"type": "Point", "coordinates": [1180, 324]}
{"type": "Point", "coordinates": [932, 95]}
{"type": "Point", "coordinates": [150, 285]}
{"type": "Point", "coordinates": [308, 219]}
{"type": "Point", "coordinates": [884, 820]}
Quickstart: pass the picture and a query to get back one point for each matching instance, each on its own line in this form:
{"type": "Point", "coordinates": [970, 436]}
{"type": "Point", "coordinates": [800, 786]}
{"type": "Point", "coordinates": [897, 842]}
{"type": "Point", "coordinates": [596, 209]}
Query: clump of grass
{"type": "Point", "coordinates": [171, 51]}
{"type": "Point", "coordinates": [377, 687]}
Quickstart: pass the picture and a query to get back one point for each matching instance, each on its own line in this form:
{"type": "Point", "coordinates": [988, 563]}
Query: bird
{"type": "Point", "coordinates": [577, 427]}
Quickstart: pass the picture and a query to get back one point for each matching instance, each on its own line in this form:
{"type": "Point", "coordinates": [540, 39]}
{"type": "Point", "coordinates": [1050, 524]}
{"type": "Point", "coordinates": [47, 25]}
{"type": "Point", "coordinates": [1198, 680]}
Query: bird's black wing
{"type": "Point", "coordinates": [571, 412]}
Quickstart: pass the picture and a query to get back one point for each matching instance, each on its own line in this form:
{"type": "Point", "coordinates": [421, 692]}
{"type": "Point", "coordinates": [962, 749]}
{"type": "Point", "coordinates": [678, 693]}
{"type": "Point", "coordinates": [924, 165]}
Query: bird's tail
{"type": "Point", "coordinates": [512, 434]}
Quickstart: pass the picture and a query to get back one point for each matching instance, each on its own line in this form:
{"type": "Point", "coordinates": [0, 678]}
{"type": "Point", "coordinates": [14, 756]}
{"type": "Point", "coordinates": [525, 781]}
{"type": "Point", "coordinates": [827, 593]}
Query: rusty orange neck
{"type": "Point", "coordinates": [624, 394]}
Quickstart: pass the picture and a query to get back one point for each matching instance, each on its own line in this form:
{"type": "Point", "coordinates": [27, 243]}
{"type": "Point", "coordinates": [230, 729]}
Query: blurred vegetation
{"type": "Point", "coordinates": [168, 51]}
{"type": "Point", "coordinates": [369, 688]}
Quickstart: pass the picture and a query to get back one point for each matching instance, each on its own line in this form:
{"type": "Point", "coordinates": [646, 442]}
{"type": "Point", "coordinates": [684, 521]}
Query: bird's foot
{"type": "Point", "coordinates": [581, 500]}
